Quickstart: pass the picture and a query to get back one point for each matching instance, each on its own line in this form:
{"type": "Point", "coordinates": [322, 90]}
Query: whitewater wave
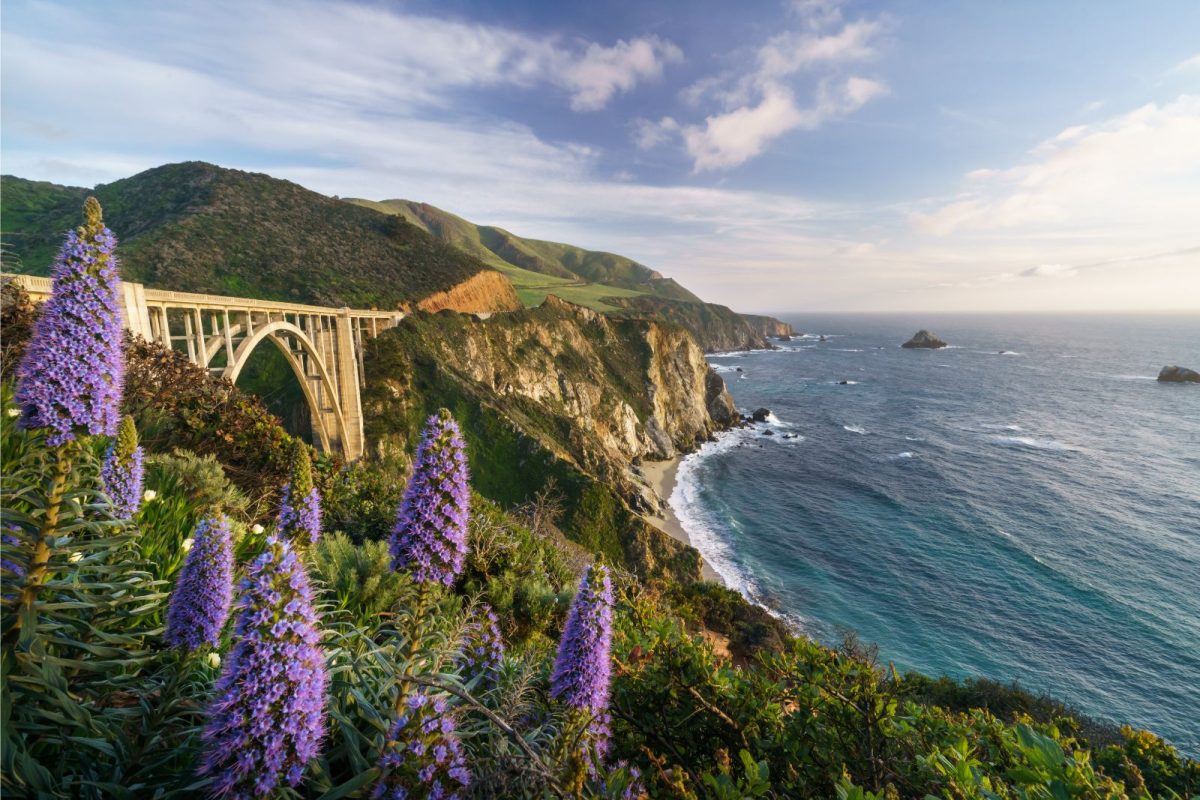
{"type": "Point", "coordinates": [855, 429]}
{"type": "Point", "coordinates": [1133, 377]}
{"type": "Point", "coordinates": [845, 350]}
{"type": "Point", "coordinates": [723, 368]}
{"type": "Point", "coordinates": [1029, 442]}
{"type": "Point", "coordinates": [1000, 427]}
{"type": "Point", "coordinates": [907, 454]}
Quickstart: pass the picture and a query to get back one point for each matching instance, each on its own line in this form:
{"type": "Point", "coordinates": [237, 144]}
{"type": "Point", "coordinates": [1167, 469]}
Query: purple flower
{"type": "Point", "coordinates": [71, 376]}
{"type": "Point", "coordinates": [268, 718]}
{"type": "Point", "coordinates": [13, 568]}
{"type": "Point", "coordinates": [300, 507]}
{"type": "Point", "coordinates": [583, 666]}
{"type": "Point", "coordinates": [200, 603]}
{"type": "Point", "coordinates": [121, 473]}
{"type": "Point", "coordinates": [483, 649]}
{"type": "Point", "coordinates": [430, 538]}
{"type": "Point", "coordinates": [423, 758]}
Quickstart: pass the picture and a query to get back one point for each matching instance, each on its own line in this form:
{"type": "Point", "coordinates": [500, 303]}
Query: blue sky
{"type": "Point", "coordinates": [777, 156]}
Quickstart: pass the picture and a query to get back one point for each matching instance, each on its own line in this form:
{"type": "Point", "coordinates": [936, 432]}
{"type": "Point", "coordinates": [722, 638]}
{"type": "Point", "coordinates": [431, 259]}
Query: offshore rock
{"type": "Point", "coordinates": [1175, 374]}
{"type": "Point", "coordinates": [924, 340]}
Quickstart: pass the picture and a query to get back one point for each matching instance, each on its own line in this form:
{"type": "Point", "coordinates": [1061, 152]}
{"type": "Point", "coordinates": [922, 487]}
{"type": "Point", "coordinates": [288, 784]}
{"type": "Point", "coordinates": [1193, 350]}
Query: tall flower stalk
{"type": "Point", "coordinates": [583, 667]}
{"type": "Point", "coordinates": [423, 757]}
{"type": "Point", "coordinates": [70, 379]}
{"type": "Point", "coordinates": [430, 537]}
{"type": "Point", "coordinates": [268, 718]}
{"type": "Point", "coordinates": [483, 648]}
{"type": "Point", "coordinates": [122, 471]}
{"type": "Point", "coordinates": [300, 508]}
{"type": "Point", "coordinates": [200, 603]}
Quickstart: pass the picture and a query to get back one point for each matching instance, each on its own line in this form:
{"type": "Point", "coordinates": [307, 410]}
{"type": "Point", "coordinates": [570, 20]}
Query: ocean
{"type": "Point", "coordinates": [1028, 515]}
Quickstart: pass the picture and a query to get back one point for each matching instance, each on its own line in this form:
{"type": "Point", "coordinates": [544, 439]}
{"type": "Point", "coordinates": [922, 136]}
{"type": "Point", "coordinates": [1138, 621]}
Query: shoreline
{"type": "Point", "coordinates": [661, 476]}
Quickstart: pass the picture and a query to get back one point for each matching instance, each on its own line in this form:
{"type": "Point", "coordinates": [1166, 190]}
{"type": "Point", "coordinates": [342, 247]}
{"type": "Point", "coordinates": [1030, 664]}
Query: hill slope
{"type": "Point", "coordinates": [537, 267]}
{"type": "Point", "coordinates": [201, 228]}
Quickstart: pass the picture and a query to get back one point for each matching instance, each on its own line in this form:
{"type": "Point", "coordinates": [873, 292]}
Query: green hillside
{"type": "Point", "coordinates": [200, 228]}
{"type": "Point", "coordinates": [536, 267]}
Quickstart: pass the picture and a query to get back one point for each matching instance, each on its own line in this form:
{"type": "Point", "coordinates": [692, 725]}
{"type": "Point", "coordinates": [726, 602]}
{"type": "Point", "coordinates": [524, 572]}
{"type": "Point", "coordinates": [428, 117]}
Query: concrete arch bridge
{"type": "Point", "coordinates": [323, 346]}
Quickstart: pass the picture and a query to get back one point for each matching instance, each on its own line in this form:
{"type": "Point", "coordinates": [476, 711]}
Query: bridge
{"type": "Point", "coordinates": [322, 345]}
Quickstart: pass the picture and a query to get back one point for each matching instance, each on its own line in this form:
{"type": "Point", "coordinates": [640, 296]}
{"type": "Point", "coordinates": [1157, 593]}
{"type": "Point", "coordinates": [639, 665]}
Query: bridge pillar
{"type": "Point", "coordinates": [137, 313]}
{"type": "Point", "coordinates": [349, 386]}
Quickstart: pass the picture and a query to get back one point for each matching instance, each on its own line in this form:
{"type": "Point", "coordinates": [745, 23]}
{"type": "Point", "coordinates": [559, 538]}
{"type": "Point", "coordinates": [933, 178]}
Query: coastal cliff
{"type": "Point", "coordinates": [482, 292]}
{"type": "Point", "coordinates": [559, 394]}
{"type": "Point", "coordinates": [715, 328]}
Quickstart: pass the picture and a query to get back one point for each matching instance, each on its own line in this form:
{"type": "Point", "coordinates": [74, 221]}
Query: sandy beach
{"type": "Point", "coordinates": [661, 477]}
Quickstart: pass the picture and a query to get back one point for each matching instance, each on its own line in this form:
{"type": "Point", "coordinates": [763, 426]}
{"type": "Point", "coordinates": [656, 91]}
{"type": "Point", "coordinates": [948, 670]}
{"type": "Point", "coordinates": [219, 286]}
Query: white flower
{"type": "Point", "coordinates": [14, 412]}
{"type": "Point", "coordinates": [256, 528]}
{"type": "Point", "coordinates": [187, 544]}
{"type": "Point", "coordinates": [214, 660]}
{"type": "Point", "coordinates": [75, 557]}
{"type": "Point", "coordinates": [149, 495]}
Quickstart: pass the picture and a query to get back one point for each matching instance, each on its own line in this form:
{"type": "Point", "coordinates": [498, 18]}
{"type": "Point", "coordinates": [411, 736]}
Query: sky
{"type": "Point", "coordinates": [803, 155]}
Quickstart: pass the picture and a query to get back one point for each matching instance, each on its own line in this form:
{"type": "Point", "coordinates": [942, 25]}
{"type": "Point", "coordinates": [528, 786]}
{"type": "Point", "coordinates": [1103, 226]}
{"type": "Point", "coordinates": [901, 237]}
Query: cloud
{"type": "Point", "coordinates": [603, 72]}
{"type": "Point", "coordinates": [648, 134]}
{"type": "Point", "coordinates": [729, 139]}
{"type": "Point", "coordinates": [1187, 66]}
{"type": "Point", "coordinates": [760, 104]}
{"type": "Point", "coordinates": [1049, 271]}
{"type": "Point", "coordinates": [1139, 171]}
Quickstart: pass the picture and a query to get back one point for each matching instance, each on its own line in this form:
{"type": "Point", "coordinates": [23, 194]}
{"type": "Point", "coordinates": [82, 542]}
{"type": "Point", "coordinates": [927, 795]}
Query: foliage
{"type": "Point", "coordinates": [197, 227]}
{"type": "Point", "coordinates": [361, 499]}
{"type": "Point", "coordinates": [358, 578]}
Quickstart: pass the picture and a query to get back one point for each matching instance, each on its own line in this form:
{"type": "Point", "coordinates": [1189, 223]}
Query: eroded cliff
{"type": "Point", "coordinates": [482, 292]}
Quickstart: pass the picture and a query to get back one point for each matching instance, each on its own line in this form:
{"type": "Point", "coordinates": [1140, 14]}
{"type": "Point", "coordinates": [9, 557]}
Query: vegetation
{"type": "Point", "coordinates": [197, 227]}
{"type": "Point", "coordinates": [342, 673]}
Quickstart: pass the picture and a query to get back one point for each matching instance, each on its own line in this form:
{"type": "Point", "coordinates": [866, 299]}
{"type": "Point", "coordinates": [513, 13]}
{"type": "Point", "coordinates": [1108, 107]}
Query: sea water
{"type": "Point", "coordinates": [1023, 505]}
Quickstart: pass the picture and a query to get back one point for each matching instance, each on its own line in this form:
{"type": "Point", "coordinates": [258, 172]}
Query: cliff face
{"type": "Point", "coordinates": [768, 326]}
{"type": "Point", "coordinates": [715, 328]}
{"type": "Point", "coordinates": [482, 292]}
{"type": "Point", "coordinates": [570, 396]}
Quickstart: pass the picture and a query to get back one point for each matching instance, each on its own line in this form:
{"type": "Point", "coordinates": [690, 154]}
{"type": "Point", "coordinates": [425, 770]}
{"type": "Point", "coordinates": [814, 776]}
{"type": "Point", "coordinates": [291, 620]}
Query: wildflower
{"type": "Point", "coordinates": [149, 495]}
{"type": "Point", "coordinates": [75, 557]}
{"type": "Point", "coordinates": [200, 603]}
{"type": "Point", "coordinates": [256, 528]}
{"type": "Point", "coordinates": [70, 378]}
{"type": "Point", "coordinates": [14, 568]}
{"type": "Point", "coordinates": [430, 537]}
{"type": "Point", "coordinates": [13, 412]}
{"type": "Point", "coordinates": [121, 473]}
{"type": "Point", "coordinates": [268, 718]}
{"type": "Point", "coordinates": [214, 659]}
{"type": "Point", "coordinates": [186, 544]}
{"type": "Point", "coordinates": [583, 666]}
{"type": "Point", "coordinates": [423, 757]}
{"type": "Point", "coordinates": [483, 649]}
{"type": "Point", "coordinates": [300, 508]}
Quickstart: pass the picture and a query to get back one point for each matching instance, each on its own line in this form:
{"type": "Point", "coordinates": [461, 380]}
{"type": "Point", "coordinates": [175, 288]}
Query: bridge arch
{"type": "Point", "coordinates": [305, 360]}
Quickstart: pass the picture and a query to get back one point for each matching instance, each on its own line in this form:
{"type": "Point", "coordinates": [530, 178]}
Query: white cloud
{"type": "Point", "coordinates": [1136, 171]}
{"type": "Point", "coordinates": [648, 134]}
{"type": "Point", "coordinates": [760, 104]}
{"type": "Point", "coordinates": [1187, 66]}
{"type": "Point", "coordinates": [603, 72]}
{"type": "Point", "coordinates": [732, 138]}
{"type": "Point", "coordinates": [1050, 271]}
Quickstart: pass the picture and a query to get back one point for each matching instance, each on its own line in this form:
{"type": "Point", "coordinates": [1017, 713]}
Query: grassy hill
{"type": "Point", "coordinates": [537, 267]}
{"type": "Point", "coordinates": [201, 228]}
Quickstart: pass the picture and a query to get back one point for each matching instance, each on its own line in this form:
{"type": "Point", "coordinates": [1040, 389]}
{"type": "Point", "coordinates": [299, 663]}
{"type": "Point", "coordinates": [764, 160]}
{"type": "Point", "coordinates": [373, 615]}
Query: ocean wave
{"type": "Point", "coordinates": [1031, 443]}
{"type": "Point", "coordinates": [723, 368]}
{"type": "Point", "coordinates": [855, 429]}
{"type": "Point", "coordinates": [1000, 427]}
{"type": "Point", "coordinates": [1133, 377]}
{"type": "Point", "coordinates": [915, 438]}
{"type": "Point", "coordinates": [907, 454]}
{"type": "Point", "coordinates": [845, 349]}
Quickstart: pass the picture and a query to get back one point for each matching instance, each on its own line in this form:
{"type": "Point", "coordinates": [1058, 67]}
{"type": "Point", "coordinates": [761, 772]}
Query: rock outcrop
{"type": "Point", "coordinates": [1174, 374]}
{"type": "Point", "coordinates": [769, 326]}
{"type": "Point", "coordinates": [924, 340]}
{"type": "Point", "coordinates": [716, 328]}
{"type": "Point", "coordinates": [569, 394]}
{"type": "Point", "coordinates": [485, 291]}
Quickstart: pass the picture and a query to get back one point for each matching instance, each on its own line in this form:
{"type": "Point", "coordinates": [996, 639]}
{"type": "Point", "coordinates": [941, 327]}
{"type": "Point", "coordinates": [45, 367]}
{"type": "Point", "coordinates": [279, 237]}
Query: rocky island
{"type": "Point", "coordinates": [924, 340]}
{"type": "Point", "coordinates": [1176, 374]}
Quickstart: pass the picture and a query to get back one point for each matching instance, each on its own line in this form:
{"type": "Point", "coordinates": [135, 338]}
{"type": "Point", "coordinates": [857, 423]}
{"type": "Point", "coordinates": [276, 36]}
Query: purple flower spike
{"type": "Point", "coordinates": [121, 473]}
{"type": "Point", "coordinates": [430, 538]}
{"type": "Point", "coordinates": [423, 758]}
{"type": "Point", "coordinates": [268, 717]}
{"type": "Point", "coordinates": [583, 666]}
{"type": "Point", "coordinates": [483, 649]}
{"type": "Point", "coordinates": [71, 376]}
{"type": "Point", "coordinates": [200, 603]}
{"type": "Point", "coordinates": [300, 508]}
